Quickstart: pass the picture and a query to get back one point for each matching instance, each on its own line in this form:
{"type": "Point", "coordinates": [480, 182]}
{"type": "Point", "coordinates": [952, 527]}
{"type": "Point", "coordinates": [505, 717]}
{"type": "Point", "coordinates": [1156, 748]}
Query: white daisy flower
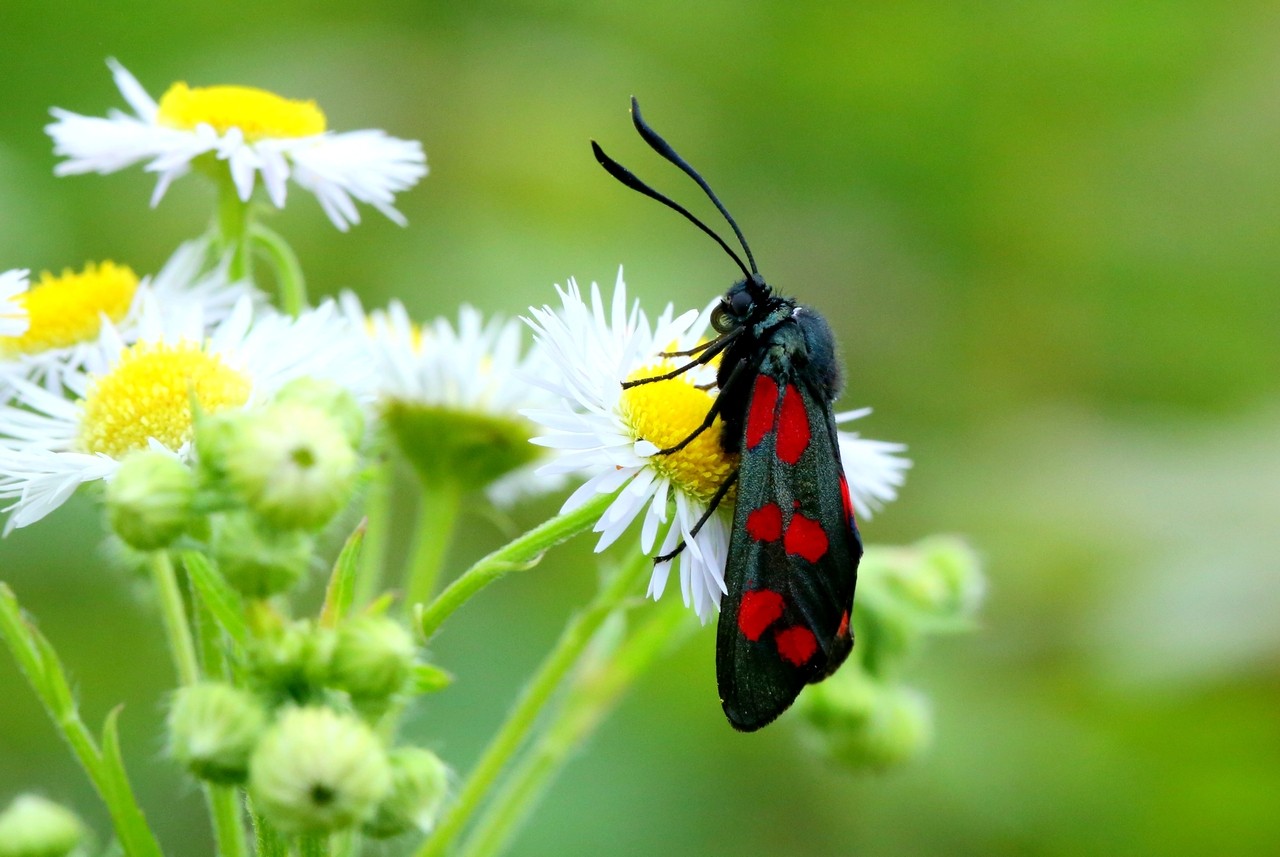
{"type": "Point", "coordinates": [137, 396]}
{"type": "Point", "coordinates": [452, 395]}
{"type": "Point", "coordinates": [13, 312]}
{"type": "Point", "coordinates": [65, 312]}
{"type": "Point", "coordinates": [611, 433]}
{"type": "Point", "coordinates": [873, 469]}
{"type": "Point", "coordinates": [256, 133]}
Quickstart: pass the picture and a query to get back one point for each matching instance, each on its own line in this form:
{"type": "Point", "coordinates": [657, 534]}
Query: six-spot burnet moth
{"type": "Point", "coordinates": [794, 548]}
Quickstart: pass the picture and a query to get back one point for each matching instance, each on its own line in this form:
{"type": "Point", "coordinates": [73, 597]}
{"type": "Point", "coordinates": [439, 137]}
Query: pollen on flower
{"type": "Point", "coordinates": [257, 113]}
{"type": "Point", "coordinates": [665, 413]}
{"type": "Point", "coordinates": [149, 394]}
{"type": "Point", "coordinates": [67, 308]}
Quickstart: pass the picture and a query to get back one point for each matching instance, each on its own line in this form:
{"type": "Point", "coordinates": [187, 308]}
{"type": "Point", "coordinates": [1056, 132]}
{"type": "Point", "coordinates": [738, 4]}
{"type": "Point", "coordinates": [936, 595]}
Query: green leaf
{"type": "Point", "coordinates": [223, 602]}
{"type": "Point", "coordinates": [19, 635]}
{"type": "Point", "coordinates": [40, 664]}
{"type": "Point", "coordinates": [130, 823]}
{"type": "Point", "coordinates": [430, 679]}
{"type": "Point", "coordinates": [342, 582]}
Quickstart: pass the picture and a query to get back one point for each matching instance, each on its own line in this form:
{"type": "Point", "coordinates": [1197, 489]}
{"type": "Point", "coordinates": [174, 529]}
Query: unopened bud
{"type": "Point", "coordinates": [292, 663]}
{"type": "Point", "coordinates": [317, 770]}
{"type": "Point", "coordinates": [33, 826]}
{"type": "Point", "coordinates": [940, 575]}
{"type": "Point", "coordinates": [255, 562]}
{"type": "Point", "coordinates": [372, 658]}
{"type": "Point", "coordinates": [419, 782]}
{"type": "Point", "coordinates": [213, 729]}
{"type": "Point", "coordinates": [863, 723]}
{"type": "Point", "coordinates": [292, 465]}
{"type": "Point", "coordinates": [149, 499]}
{"type": "Point", "coordinates": [330, 398]}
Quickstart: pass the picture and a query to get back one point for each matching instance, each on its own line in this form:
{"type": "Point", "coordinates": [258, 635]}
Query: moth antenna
{"type": "Point", "coordinates": [622, 174]}
{"type": "Point", "coordinates": [662, 147]}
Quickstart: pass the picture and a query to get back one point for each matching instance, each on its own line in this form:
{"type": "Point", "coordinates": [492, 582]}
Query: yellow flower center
{"type": "Point", "coordinates": [257, 113]}
{"type": "Point", "coordinates": [665, 413]}
{"type": "Point", "coordinates": [68, 308]}
{"type": "Point", "coordinates": [149, 394]}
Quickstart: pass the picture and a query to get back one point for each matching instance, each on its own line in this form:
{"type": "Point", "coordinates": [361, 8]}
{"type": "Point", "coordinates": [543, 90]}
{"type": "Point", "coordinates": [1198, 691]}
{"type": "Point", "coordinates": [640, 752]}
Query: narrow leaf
{"type": "Point", "coordinates": [342, 582]}
{"type": "Point", "coordinates": [130, 823]}
{"type": "Point", "coordinates": [223, 602]}
{"type": "Point", "coordinates": [430, 679]}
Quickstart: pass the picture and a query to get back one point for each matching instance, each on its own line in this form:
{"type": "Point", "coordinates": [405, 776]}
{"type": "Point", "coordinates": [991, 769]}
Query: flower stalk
{"type": "Point", "coordinates": [562, 658]}
{"type": "Point", "coordinates": [523, 552]}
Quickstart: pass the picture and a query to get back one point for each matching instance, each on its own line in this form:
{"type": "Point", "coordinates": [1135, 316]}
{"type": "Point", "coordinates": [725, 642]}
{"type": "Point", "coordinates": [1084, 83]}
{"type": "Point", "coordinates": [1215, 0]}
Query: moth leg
{"type": "Point", "coordinates": [711, 412]}
{"type": "Point", "coordinates": [711, 508]}
{"type": "Point", "coordinates": [709, 351]}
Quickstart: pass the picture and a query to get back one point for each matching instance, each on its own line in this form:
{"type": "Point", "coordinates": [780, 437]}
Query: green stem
{"type": "Point", "coordinates": [588, 701]}
{"type": "Point", "coordinates": [284, 262]}
{"type": "Point", "coordinates": [182, 646]}
{"type": "Point", "coordinates": [524, 552]}
{"type": "Point", "coordinates": [233, 227]}
{"type": "Point", "coordinates": [267, 842]}
{"type": "Point", "coordinates": [313, 845]}
{"type": "Point", "coordinates": [377, 510]}
{"type": "Point", "coordinates": [223, 801]}
{"type": "Point", "coordinates": [509, 738]}
{"type": "Point", "coordinates": [439, 504]}
{"type": "Point", "coordinates": [346, 843]}
{"type": "Point", "coordinates": [224, 806]}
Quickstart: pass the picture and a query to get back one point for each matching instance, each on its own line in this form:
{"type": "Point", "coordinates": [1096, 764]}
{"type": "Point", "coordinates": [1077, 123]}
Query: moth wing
{"type": "Point", "coordinates": [793, 554]}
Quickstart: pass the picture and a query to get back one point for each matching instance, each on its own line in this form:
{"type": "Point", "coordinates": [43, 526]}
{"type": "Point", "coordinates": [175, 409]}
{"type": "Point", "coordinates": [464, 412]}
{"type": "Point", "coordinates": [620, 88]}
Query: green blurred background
{"type": "Point", "coordinates": [1047, 234]}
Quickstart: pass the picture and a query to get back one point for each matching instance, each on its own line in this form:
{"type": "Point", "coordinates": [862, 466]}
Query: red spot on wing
{"type": "Point", "coordinates": [759, 609]}
{"type": "Point", "coordinates": [846, 499]}
{"type": "Point", "coordinates": [805, 538]}
{"type": "Point", "coordinates": [843, 630]}
{"type": "Point", "coordinates": [764, 400]}
{"type": "Point", "coordinates": [793, 426]}
{"type": "Point", "coordinates": [765, 524]}
{"type": "Point", "coordinates": [796, 644]}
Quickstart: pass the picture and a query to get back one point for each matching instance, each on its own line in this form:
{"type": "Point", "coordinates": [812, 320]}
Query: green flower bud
{"type": "Point", "coordinates": [316, 770]}
{"type": "Point", "coordinates": [213, 728]}
{"type": "Point", "coordinates": [256, 563]}
{"type": "Point", "coordinates": [292, 664]}
{"type": "Point", "coordinates": [213, 433]}
{"type": "Point", "coordinates": [330, 398]}
{"type": "Point", "coordinates": [908, 594]}
{"type": "Point", "coordinates": [149, 499]}
{"type": "Point", "coordinates": [940, 576]}
{"type": "Point", "coordinates": [32, 826]}
{"type": "Point", "coordinates": [471, 449]}
{"type": "Point", "coordinates": [292, 464]}
{"type": "Point", "coordinates": [372, 658]}
{"type": "Point", "coordinates": [419, 781]}
{"type": "Point", "coordinates": [862, 723]}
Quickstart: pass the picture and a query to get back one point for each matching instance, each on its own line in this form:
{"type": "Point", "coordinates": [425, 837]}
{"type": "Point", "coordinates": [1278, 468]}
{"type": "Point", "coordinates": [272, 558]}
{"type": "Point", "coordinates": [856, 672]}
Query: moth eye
{"type": "Point", "coordinates": [740, 304]}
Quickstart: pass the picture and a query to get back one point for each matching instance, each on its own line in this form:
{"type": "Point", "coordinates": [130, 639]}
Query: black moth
{"type": "Point", "coordinates": [794, 548]}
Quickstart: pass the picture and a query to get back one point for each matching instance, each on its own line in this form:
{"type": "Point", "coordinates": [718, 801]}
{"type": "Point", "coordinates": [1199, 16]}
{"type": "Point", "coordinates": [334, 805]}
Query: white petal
{"type": "Point", "coordinates": [142, 103]}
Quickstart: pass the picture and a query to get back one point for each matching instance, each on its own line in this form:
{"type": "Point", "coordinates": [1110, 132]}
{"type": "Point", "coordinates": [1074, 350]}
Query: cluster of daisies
{"type": "Point", "coordinates": [98, 363]}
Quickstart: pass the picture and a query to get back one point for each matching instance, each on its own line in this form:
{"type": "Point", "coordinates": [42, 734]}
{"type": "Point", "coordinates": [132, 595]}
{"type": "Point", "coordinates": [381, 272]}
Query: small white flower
{"type": "Point", "coordinates": [65, 312]}
{"type": "Point", "coordinates": [132, 396]}
{"type": "Point", "coordinates": [611, 434]}
{"type": "Point", "coordinates": [255, 133]}
{"type": "Point", "coordinates": [13, 315]}
{"type": "Point", "coordinates": [872, 468]}
{"type": "Point", "coordinates": [474, 370]}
